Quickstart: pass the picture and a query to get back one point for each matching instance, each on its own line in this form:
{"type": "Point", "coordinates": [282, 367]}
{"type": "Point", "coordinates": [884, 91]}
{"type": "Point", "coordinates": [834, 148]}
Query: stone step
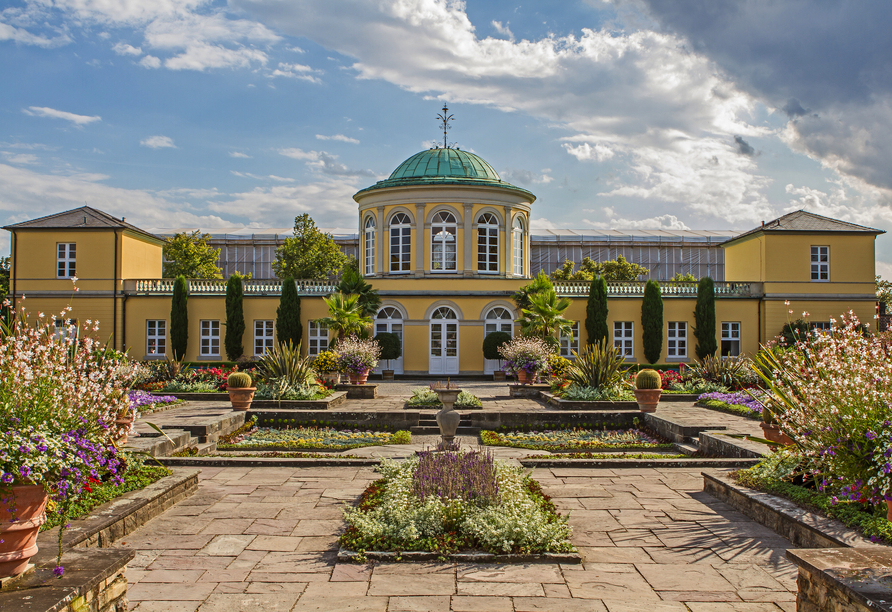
{"type": "Point", "coordinates": [687, 448]}
{"type": "Point", "coordinates": [156, 445]}
{"type": "Point", "coordinates": [433, 423]}
{"type": "Point", "coordinates": [210, 428]}
{"type": "Point", "coordinates": [435, 431]}
{"type": "Point", "coordinates": [206, 448]}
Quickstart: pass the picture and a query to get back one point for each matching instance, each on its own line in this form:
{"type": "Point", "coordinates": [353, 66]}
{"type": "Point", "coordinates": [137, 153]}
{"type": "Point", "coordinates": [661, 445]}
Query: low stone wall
{"type": "Point", "coordinates": [398, 419]}
{"type": "Point", "coordinates": [553, 419]}
{"type": "Point", "coordinates": [715, 444]}
{"type": "Point", "coordinates": [562, 404]}
{"type": "Point", "coordinates": [529, 391]}
{"type": "Point", "coordinates": [843, 580]}
{"type": "Point", "coordinates": [365, 391]}
{"type": "Point", "coordinates": [327, 403]}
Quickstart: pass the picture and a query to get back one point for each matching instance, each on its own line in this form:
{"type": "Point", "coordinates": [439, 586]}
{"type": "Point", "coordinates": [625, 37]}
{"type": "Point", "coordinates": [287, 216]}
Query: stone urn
{"type": "Point", "coordinates": [18, 538]}
{"type": "Point", "coordinates": [241, 397]}
{"type": "Point", "coordinates": [122, 428]}
{"type": "Point", "coordinates": [447, 417]}
{"type": "Point", "coordinates": [648, 399]}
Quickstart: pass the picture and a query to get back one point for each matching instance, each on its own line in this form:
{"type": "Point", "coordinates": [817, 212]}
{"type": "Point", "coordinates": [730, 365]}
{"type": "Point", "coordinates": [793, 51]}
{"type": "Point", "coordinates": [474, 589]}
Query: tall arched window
{"type": "Point", "coordinates": [370, 246]}
{"type": "Point", "coordinates": [487, 243]}
{"type": "Point", "coordinates": [400, 243]}
{"type": "Point", "coordinates": [443, 242]}
{"type": "Point", "coordinates": [518, 238]}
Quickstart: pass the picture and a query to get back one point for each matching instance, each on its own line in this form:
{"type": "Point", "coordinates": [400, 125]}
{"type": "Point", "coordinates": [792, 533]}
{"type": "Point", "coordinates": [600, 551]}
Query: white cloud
{"type": "Point", "coordinates": [150, 61]}
{"type": "Point", "coordinates": [43, 111]}
{"type": "Point", "coordinates": [201, 56]}
{"type": "Point", "coordinates": [299, 154]}
{"type": "Point", "coordinates": [158, 142]}
{"type": "Point", "coordinates": [239, 155]}
{"type": "Point", "coordinates": [541, 224]}
{"type": "Point", "coordinates": [295, 49]}
{"type": "Point", "coordinates": [339, 137]}
{"type": "Point", "coordinates": [526, 177]}
{"type": "Point", "coordinates": [19, 158]}
{"type": "Point", "coordinates": [325, 163]}
{"type": "Point", "coordinates": [257, 177]}
{"type": "Point", "coordinates": [667, 221]}
{"type": "Point", "coordinates": [23, 37]}
{"type": "Point", "coordinates": [125, 49]}
{"type": "Point", "coordinates": [504, 30]}
{"type": "Point", "coordinates": [296, 71]}
{"type": "Point", "coordinates": [586, 151]}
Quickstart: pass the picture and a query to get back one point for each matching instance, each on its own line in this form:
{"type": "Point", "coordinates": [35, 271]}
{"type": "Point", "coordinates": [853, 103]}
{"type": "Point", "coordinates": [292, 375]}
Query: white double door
{"type": "Point", "coordinates": [443, 345]}
{"type": "Point", "coordinates": [390, 320]}
{"type": "Point", "coordinates": [497, 319]}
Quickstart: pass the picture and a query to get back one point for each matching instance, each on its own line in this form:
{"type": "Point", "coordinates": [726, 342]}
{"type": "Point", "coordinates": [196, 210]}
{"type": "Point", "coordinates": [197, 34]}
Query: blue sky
{"type": "Point", "coordinates": [624, 113]}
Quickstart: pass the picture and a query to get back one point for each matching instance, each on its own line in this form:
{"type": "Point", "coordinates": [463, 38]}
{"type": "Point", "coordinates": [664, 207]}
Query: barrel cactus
{"type": "Point", "coordinates": [648, 379]}
{"type": "Point", "coordinates": [239, 380]}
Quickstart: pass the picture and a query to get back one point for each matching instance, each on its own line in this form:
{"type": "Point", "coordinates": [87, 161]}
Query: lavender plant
{"type": "Point", "coordinates": [454, 475]}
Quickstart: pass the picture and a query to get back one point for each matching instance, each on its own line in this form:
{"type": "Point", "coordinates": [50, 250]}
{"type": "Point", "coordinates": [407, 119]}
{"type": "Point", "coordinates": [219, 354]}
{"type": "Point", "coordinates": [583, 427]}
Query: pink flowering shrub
{"type": "Point", "coordinates": [833, 397]}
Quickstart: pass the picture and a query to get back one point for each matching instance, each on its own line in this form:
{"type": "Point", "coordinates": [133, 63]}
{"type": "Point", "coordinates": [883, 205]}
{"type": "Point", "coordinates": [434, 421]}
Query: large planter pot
{"type": "Point", "coordinates": [498, 375]}
{"type": "Point", "coordinates": [773, 433]}
{"type": "Point", "coordinates": [18, 540]}
{"type": "Point", "coordinates": [889, 506]}
{"type": "Point", "coordinates": [242, 397]}
{"type": "Point", "coordinates": [122, 428]}
{"type": "Point", "coordinates": [524, 378]}
{"type": "Point", "coordinates": [648, 399]}
{"type": "Point", "coordinates": [359, 379]}
{"type": "Point", "coordinates": [387, 374]}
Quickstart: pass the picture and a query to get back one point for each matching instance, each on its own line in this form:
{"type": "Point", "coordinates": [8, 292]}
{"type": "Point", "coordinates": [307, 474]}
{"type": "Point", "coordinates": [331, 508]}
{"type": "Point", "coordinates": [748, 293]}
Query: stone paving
{"type": "Point", "coordinates": [265, 539]}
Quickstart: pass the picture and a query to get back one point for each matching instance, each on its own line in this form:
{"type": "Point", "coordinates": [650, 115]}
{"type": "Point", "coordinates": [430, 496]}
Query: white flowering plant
{"type": "Point", "coordinates": [501, 509]}
{"type": "Point", "coordinates": [526, 353]}
{"type": "Point", "coordinates": [833, 397]}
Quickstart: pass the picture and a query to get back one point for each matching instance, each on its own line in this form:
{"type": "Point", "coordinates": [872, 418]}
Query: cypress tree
{"type": "Point", "coordinates": [288, 326]}
{"type": "Point", "coordinates": [179, 318]}
{"type": "Point", "coordinates": [704, 319]}
{"type": "Point", "coordinates": [652, 321]}
{"type": "Point", "coordinates": [235, 318]}
{"type": "Point", "coordinates": [596, 311]}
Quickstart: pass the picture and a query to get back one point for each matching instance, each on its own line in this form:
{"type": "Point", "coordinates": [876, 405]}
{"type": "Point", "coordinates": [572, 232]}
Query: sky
{"type": "Point", "coordinates": [626, 114]}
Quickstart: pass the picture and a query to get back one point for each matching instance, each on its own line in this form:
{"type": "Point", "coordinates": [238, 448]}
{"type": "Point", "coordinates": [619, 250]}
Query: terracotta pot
{"type": "Point", "coordinates": [241, 397]}
{"type": "Point", "coordinates": [524, 378]}
{"type": "Point", "coordinates": [122, 427]}
{"type": "Point", "coordinates": [648, 399]}
{"type": "Point", "coordinates": [498, 375]}
{"type": "Point", "coordinates": [18, 540]}
{"type": "Point", "coordinates": [774, 434]}
{"type": "Point", "coordinates": [333, 378]}
{"type": "Point", "coordinates": [387, 374]}
{"type": "Point", "coordinates": [359, 379]}
{"type": "Point", "coordinates": [889, 507]}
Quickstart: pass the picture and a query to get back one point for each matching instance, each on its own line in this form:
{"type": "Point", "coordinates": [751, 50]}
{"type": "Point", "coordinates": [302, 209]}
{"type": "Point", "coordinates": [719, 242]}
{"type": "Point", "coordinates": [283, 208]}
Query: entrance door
{"type": "Point", "coordinates": [390, 320]}
{"type": "Point", "coordinates": [443, 342]}
{"type": "Point", "coordinates": [497, 319]}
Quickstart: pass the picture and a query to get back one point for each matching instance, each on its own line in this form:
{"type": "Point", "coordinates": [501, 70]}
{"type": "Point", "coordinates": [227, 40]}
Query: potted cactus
{"type": "Point", "coordinates": [241, 390]}
{"type": "Point", "coordinates": [648, 388]}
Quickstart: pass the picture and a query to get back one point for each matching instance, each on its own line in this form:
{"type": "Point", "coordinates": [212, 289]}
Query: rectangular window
{"type": "Point", "coordinates": [400, 248]}
{"type": "Point", "coordinates": [568, 345]}
{"type": "Point", "coordinates": [370, 252]}
{"type": "Point", "coordinates": [210, 338]}
{"type": "Point", "coordinates": [65, 259]}
{"type": "Point", "coordinates": [677, 339]}
{"type": "Point", "coordinates": [264, 336]}
{"type": "Point", "coordinates": [318, 338]}
{"type": "Point", "coordinates": [730, 339]}
{"type": "Point", "coordinates": [156, 337]}
{"type": "Point", "coordinates": [488, 249]}
{"type": "Point", "coordinates": [820, 263]}
{"type": "Point", "coordinates": [63, 329]}
{"type": "Point", "coordinates": [820, 327]}
{"type": "Point", "coordinates": [623, 338]}
{"type": "Point", "coordinates": [518, 252]}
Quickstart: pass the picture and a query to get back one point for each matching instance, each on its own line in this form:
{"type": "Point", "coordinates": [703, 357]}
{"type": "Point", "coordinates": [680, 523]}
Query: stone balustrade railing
{"type": "Point", "coordinates": [667, 288]}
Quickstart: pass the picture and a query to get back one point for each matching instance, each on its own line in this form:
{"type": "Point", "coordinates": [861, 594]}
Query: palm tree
{"type": "Point", "coordinates": [346, 316]}
{"type": "Point", "coordinates": [353, 282]}
{"type": "Point", "coordinates": [545, 315]}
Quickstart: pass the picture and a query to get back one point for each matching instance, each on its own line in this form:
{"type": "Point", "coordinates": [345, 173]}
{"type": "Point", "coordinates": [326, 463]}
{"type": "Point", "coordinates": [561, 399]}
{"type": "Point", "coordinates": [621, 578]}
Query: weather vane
{"type": "Point", "coordinates": [445, 118]}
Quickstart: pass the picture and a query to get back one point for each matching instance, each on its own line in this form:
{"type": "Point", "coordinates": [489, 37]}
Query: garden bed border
{"type": "Point", "coordinates": [625, 462]}
{"type": "Point", "coordinates": [414, 556]}
{"type": "Point", "coordinates": [335, 399]}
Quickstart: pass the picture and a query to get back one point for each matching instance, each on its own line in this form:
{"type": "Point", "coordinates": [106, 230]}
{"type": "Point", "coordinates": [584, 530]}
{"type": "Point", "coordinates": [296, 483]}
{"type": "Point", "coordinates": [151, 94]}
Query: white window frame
{"type": "Point", "coordinates": [568, 345]}
{"type": "Point", "coordinates": [518, 234]}
{"type": "Point", "coordinates": [677, 339]}
{"type": "Point", "coordinates": [820, 264]}
{"type": "Point", "coordinates": [624, 337]}
{"type": "Point", "coordinates": [317, 338]}
{"type": "Point", "coordinates": [487, 244]}
{"type": "Point", "coordinates": [156, 337]}
{"type": "Point", "coordinates": [371, 228]}
{"type": "Point", "coordinates": [62, 328]}
{"type": "Point", "coordinates": [209, 345]}
{"type": "Point", "coordinates": [400, 249]}
{"type": "Point", "coordinates": [444, 242]}
{"type": "Point", "coordinates": [820, 327]}
{"type": "Point", "coordinates": [264, 336]}
{"type": "Point", "coordinates": [730, 334]}
{"type": "Point", "coordinates": [66, 259]}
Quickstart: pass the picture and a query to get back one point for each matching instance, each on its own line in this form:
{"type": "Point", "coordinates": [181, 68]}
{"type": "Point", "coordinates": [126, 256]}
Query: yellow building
{"type": "Point", "coordinates": [446, 243]}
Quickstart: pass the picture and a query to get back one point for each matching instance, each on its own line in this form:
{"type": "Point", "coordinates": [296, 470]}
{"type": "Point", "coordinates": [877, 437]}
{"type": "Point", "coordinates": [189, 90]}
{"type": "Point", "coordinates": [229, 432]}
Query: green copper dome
{"type": "Point", "coordinates": [444, 167]}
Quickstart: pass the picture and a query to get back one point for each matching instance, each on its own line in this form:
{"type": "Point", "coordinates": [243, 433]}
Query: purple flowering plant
{"type": "Point", "coordinates": [527, 353]}
{"type": "Point", "coordinates": [357, 355]}
{"type": "Point", "coordinates": [143, 400]}
{"type": "Point", "coordinates": [736, 398]}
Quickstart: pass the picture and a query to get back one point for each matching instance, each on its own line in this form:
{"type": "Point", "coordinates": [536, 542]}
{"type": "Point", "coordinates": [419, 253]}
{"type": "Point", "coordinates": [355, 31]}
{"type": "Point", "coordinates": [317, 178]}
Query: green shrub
{"type": "Point", "coordinates": [391, 347]}
{"type": "Point", "coordinates": [596, 311]}
{"type": "Point", "coordinates": [652, 321]}
{"type": "Point", "coordinates": [235, 318]}
{"type": "Point", "coordinates": [704, 319]}
{"type": "Point", "coordinates": [284, 363]}
{"type": "Point", "coordinates": [288, 325]}
{"type": "Point", "coordinates": [599, 366]}
{"type": "Point", "coordinates": [401, 437]}
{"type": "Point", "coordinates": [731, 372]}
{"type": "Point", "coordinates": [179, 319]}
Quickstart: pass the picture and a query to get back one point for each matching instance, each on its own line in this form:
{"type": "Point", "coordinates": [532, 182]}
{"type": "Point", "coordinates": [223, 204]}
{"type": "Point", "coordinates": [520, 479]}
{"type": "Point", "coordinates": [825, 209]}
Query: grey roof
{"type": "Point", "coordinates": [79, 218]}
{"type": "Point", "coordinates": [239, 232]}
{"type": "Point", "coordinates": [806, 222]}
{"type": "Point", "coordinates": [630, 235]}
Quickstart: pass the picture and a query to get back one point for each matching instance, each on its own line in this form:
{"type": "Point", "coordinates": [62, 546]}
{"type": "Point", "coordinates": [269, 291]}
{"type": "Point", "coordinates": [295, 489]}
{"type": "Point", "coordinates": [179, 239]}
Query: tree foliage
{"type": "Point", "coordinates": [618, 269]}
{"type": "Point", "coordinates": [235, 318]}
{"type": "Point", "coordinates": [704, 319]}
{"type": "Point", "coordinates": [345, 315]}
{"type": "Point", "coordinates": [652, 321]}
{"type": "Point", "coordinates": [4, 276]}
{"type": "Point", "coordinates": [795, 331]}
{"type": "Point", "coordinates": [687, 277]}
{"type": "Point", "coordinates": [884, 292]}
{"type": "Point", "coordinates": [492, 342]}
{"type": "Point", "coordinates": [545, 316]}
{"type": "Point", "coordinates": [189, 255]}
{"type": "Point", "coordinates": [538, 285]}
{"type": "Point", "coordinates": [310, 254]}
{"type": "Point", "coordinates": [179, 319]}
{"type": "Point", "coordinates": [391, 347]}
{"type": "Point", "coordinates": [353, 282]}
{"type": "Point", "coordinates": [288, 326]}
{"type": "Point", "coordinates": [596, 311]}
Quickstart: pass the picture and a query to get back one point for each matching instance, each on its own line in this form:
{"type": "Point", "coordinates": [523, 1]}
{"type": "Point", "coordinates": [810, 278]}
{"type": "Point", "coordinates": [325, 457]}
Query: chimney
{"type": "Point", "coordinates": [123, 219]}
{"type": "Point", "coordinates": [763, 224]}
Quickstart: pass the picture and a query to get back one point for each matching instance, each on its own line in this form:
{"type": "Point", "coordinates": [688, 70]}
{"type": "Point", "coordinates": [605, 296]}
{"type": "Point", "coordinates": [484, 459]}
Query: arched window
{"type": "Point", "coordinates": [443, 312]}
{"type": "Point", "coordinates": [498, 319]}
{"type": "Point", "coordinates": [390, 320]}
{"type": "Point", "coordinates": [443, 242]}
{"type": "Point", "coordinates": [400, 243]}
{"type": "Point", "coordinates": [518, 238]}
{"type": "Point", "coordinates": [487, 243]}
{"type": "Point", "coordinates": [370, 246]}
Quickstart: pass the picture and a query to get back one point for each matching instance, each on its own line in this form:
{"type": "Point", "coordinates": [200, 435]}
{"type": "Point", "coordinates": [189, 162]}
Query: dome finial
{"type": "Point", "coordinates": [445, 118]}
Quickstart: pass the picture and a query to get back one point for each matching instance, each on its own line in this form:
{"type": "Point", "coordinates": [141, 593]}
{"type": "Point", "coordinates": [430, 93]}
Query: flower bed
{"type": "Point", "coordinates": [455, 501]}
{"type": "Point", "coordinates": [253, 437]}
{"type": "Point", "coordinates": [570, 439]}
{"type": "Point", "coordinates": [423, 396]}
{"type": "Point", "coordinates": [739, 403]}
{"type": "Point", "coordinates": [619, 455]}
{"type": "Point", "coordinates": [193, 452]}
{"type": "Point", "coordinates": [142, 401]}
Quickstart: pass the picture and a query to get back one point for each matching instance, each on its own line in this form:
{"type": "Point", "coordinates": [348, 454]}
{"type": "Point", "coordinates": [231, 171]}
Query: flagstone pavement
{"type": "Point", "coordinates": [266, 539]}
